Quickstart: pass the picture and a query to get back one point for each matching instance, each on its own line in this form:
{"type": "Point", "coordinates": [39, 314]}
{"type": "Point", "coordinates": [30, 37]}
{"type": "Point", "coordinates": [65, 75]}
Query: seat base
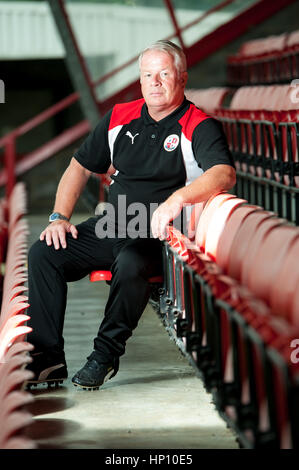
{"type": "Point", "coordinates": [102, 275]}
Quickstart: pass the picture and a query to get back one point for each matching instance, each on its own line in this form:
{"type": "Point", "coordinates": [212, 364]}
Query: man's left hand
{"type": "Point", "coordinates": [164, 214]}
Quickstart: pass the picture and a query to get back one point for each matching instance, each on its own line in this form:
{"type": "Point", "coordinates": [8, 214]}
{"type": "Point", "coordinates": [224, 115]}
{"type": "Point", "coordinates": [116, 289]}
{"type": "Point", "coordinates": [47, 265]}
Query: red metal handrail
{"type": "Point", "coordinates": [207, 13]}
{"type": "Point", "coordinates": [41, 117]}
{"type": "Point", "coordinates": [74, 97]}
{"type": "Point", "coordinates": [171, 36]}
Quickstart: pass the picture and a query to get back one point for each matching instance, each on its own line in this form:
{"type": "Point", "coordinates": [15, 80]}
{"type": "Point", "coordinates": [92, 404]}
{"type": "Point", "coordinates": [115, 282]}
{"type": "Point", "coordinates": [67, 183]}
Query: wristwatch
{"type": "Point", "coordinates": [57, 216]}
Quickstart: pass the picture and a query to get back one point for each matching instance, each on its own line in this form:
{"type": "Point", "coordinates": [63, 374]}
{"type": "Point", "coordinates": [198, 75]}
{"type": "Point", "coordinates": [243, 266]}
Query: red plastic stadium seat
{"type": "Point", "coordinates": [240, 244]}
{"type": "Point", "coordinates": [277, 336]}
{"type": "Point", "coordinates": [248, 362]}
{"type": "Point", "coordinates": [102, 275]}
{"type": "Point", "coordinates": [234, 364]}
{"type": "Point", "coordinates": [250, 260]}
{"type": "Point", "coordinates": [13, 417]}
{"type": "Point", "coordinates": [230, 229]}
{"type": "Point", "coordinates": [293, 39]}
{"type": "Point", "coordinates": [211, 206]}
{"type": "Point", "coordinates": [177, 242]}
{"type": "Point", "coordinates": [283, 295]}
{"type": "Point", "coordinates": [19, 347]}
{"type": "Point", "coordinates": [264, 98]}
{"type": "Point", "coordinates": [262, 46]}
{"type": "Point", "coordinates": [194, 218]}
{"type": "Point", "coordinates": [12, 330]}
{"type": "Point", "coordinates": [217, 224]}
{"type": "Point", "coordinates": [268, 259]}
{"type": "Point", "coordinates": [13, 309]}
{"type": "Point", "coordinates": [207, 99]}
{"type": "Point", "coordinates": [12, 374]}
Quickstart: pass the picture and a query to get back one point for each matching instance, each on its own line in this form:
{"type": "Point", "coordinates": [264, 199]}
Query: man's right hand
{"type": "Point", "coordinates": [56, 233]}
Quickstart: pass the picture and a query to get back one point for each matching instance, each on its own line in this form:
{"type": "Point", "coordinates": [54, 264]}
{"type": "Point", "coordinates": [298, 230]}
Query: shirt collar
{"type": "Point", "coordinates": [168, 120]}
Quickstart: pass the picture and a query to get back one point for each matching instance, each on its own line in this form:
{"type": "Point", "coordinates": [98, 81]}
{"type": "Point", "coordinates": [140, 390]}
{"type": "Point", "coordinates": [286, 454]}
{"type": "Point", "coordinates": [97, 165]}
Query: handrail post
{"type": "Point", "coordinates": [75, 62]}
{"type": "Point", "coordinates": [170, 8]}
{"type": "Point", "coordinates": [9, 160]}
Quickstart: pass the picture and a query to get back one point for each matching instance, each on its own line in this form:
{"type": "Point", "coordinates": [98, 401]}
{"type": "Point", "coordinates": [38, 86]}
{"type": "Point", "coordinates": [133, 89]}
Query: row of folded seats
{"type": "Point", "coordinates": [232, 299]}
{"type": "Point", "coordinates": [273, 59]}
{"type": "Point", "coordinates": [14, 417]}
{"type": "Point", "coordinates": [262, 129]}
{"type": "Point", "coordinates": [261, 124]}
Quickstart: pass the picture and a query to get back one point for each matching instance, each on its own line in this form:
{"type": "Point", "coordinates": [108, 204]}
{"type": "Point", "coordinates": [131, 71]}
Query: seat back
{"type": "Point", "coordinates": [229, 232]}
{"type": "Point", "coordinates": [241, 241]}
{"type": "Point", "coordinates": [293, 39]}
{"type": "Point", "coordinates": [211, 206]}
{"type": "Point", "coordinates": [269, 256]}
{"type": "Point", "coordinates": [283, 294]}
{"type": "Point", "coordinates": [263, 97]}
{"type": "Point", "coordinates": [217, 224]}
{"type": "Point", "coordinates": [208, 99]}
{"type": "Point", "coordinates": [256, 47]}
{"type": "Point", "coordinates": [194, 219]}
{"type": "Point", "coordinates": [250, 258]}
{"type": "Point", "coordinates": [293, 312]}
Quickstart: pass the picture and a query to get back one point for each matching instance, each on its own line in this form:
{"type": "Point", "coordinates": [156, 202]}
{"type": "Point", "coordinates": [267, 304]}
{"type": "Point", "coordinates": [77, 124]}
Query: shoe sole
{"type": "Point", "coordinates": [96, 387]}
{"type": "Point", "coordinates": [50, 382]}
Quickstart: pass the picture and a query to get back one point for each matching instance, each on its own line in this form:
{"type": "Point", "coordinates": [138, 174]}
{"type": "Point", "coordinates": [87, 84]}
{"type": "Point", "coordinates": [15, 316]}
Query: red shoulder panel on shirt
{"type": "Point", "coordinates": [123, 113]}
{"type": "Point", "coordinates": [192, 117]}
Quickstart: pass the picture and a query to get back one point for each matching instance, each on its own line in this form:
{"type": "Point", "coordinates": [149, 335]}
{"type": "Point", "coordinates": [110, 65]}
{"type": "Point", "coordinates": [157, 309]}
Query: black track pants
{"type": "Point", "coordinates": [132, 262]}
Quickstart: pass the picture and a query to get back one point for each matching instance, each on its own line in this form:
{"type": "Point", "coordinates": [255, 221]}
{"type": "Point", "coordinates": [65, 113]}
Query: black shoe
{"type": "Point", "coordinates": [94, 374]}
{"type": "Point", "coordinates": [48, 369]}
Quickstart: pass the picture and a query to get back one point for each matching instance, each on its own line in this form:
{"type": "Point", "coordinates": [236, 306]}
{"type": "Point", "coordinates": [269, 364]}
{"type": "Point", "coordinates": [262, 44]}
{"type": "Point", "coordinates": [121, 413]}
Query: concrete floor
{"type": "Point", "coordinates": [156, 401]}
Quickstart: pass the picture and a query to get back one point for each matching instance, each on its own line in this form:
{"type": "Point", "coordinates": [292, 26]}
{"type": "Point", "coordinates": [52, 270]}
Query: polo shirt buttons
{"type": "Point", "coordinates": [153, 139]}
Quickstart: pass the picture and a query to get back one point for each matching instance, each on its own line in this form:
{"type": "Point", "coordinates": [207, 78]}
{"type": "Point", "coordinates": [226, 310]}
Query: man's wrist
{"type": "Point", "coordinates": [57, 216]}
{"type": "Point", "coordinates": [179, 197]}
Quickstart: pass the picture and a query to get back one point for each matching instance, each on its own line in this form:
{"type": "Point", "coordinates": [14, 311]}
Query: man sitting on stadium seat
{"type": "Point", "coordinates": [166, 154]}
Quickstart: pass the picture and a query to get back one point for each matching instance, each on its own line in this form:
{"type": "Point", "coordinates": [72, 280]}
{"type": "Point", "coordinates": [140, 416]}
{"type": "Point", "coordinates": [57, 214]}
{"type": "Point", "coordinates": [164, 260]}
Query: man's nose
{"type": "Point", "coordinates": [156, 79]}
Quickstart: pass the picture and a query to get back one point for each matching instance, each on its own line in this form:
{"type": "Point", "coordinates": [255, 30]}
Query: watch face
{"type": "Point", "coordinates": [54, 216]}
{"type": "Point", "coordinates": [57, 216]}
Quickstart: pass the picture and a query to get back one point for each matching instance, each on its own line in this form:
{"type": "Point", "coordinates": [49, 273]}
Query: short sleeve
{"type": "Point", "coordinates": [210, 145]}
{"type": "Point", "coordinates": [94, 152]}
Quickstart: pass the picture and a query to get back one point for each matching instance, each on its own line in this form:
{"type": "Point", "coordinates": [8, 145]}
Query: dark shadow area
{"type": "Point", "coordinates": [42, 406]}
{"type": "Point", "coordinates": [149, 379]}
{"type": "Point", "coordinates": [51, 428]}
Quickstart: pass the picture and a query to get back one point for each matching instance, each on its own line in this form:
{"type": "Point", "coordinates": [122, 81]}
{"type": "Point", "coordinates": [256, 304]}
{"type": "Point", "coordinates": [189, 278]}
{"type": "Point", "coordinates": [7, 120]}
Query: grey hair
{"type": "Point", "coordinates": [170, 48]}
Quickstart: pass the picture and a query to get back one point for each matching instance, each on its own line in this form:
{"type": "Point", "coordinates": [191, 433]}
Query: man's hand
{"type": "Point", "coordinates": [164, 214]}
{"type": "Point", "coordinates": [214, 180]}
{"type": "Point", "coordinates": [56, 233]}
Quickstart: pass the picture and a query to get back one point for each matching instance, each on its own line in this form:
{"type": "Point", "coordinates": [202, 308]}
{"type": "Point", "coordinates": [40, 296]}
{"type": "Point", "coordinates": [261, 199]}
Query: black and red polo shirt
{"type": "Point", "coordinates": [153, 159]}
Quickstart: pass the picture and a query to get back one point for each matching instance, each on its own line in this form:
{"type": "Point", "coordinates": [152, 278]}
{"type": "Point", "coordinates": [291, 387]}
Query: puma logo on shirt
{"type": "Point", "coordinates": [132, 137]}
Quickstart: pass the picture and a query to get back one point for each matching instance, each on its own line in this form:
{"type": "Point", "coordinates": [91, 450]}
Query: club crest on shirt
{"type": "Point", "coordinates": [171, 142]}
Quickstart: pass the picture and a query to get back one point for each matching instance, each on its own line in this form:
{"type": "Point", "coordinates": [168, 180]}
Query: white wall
{"type": "Point", "coordinates": [108, 35]}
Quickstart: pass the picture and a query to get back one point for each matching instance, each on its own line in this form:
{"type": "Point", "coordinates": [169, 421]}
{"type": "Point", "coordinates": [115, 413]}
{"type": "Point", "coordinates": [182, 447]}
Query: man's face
{"type": "Point", "coordinates": [161, 85]}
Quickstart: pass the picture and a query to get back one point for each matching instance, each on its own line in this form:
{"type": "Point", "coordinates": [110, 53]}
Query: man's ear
{"type": "Point", "coordinates": [184, 78]}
